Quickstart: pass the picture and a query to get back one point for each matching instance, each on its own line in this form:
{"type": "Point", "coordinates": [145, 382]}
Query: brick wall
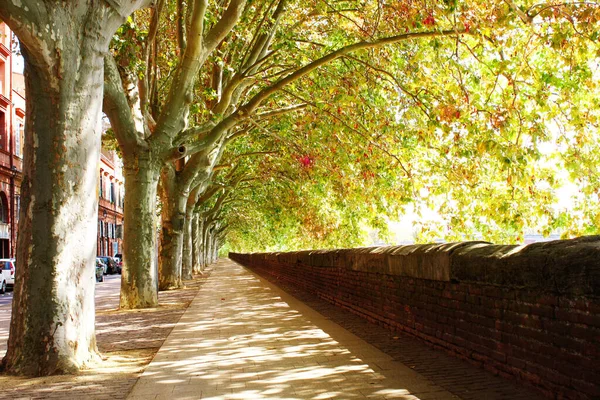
{"type": "Point", "coordinates": [525, 312]}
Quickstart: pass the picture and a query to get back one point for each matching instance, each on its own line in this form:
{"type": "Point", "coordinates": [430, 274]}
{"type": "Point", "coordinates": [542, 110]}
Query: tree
{"type": "Point", "coordinates": [463, 124]}
{"type": "Point", "coordinates": [149, 139]}
{"type": "Point", "coordinates": [353, 73]}
{"type": "Point", "coordinates": [243, 57]}
{"type": "Point", "coordinates": [52, 326]}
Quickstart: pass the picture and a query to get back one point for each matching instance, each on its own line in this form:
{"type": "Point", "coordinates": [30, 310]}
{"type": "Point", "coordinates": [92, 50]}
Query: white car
{"type": "Point", "coordinates": [7, 266]}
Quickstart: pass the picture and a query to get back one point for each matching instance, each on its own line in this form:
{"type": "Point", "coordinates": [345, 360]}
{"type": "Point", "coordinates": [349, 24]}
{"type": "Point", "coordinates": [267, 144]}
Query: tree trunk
{"type": "Point", "coordinates": [215, 249]}
{"type": "Point", "coordinates": [187, 266]}
{"type": "Point", "coordinates": [201, 240]}
{"type": "Point", "coordinates": [205, 237]}
{"type": "Point", "coordinates": [52, 326]}
{"type": "Point", "coordinates": [196, 235]}
{"type": "Point", "coordinates": [171, 240]}
{"type": "Point", "coordinates": [208, 248]}
{"type": "Point", "coordinates": [139, 288]}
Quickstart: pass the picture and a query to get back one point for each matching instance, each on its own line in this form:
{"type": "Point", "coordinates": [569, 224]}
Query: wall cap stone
{"type": "Point", "coordinates": [559, 266]}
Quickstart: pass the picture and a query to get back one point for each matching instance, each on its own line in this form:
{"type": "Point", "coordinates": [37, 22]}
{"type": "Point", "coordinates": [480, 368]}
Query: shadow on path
{"type": "Point", "coordinates": [243, 338]}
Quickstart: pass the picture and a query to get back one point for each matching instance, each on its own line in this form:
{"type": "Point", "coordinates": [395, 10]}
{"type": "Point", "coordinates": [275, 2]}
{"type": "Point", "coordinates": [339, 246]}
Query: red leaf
{"type": "Point", "coordinates": [429, 21]}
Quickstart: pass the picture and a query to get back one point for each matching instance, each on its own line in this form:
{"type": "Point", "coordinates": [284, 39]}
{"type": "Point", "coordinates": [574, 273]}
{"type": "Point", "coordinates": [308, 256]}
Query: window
{"type": "Point", "coordinates": [112, 192]}
{"type": "Point", "coordinates": [101, 185]}
{"type": "Point", "coordinates": [18, 133]}
{"type": "Point", "coordinates": [17, 207]}
{"type": "Point", "coordinates": [2, 130]}
{"type": "Point", "coordinates": [3, 208]}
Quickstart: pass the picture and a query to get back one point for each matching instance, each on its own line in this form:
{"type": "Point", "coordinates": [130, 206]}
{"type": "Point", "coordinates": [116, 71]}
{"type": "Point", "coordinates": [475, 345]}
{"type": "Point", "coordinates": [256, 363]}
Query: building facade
{"type": "Point", "coordinates": [12, 124]}
{"type": "Point", "coordinates": [110, 204]}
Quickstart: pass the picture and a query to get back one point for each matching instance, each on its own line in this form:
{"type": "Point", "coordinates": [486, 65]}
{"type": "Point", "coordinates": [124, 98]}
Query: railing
{"type": "Point", "coordinates": [108, 205]}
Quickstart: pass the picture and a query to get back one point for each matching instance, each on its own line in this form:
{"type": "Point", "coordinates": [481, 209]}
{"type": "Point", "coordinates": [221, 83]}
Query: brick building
{"type": "Point", "coordinates": [110, 204]}
{"type": "Point", "coordinates": [12, 123]}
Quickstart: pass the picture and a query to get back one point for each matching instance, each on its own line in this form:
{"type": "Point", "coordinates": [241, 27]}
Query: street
{"type": "Point", "coordinates": [6, 298]}
{"type": "Point", "coordinates": [107, 297]}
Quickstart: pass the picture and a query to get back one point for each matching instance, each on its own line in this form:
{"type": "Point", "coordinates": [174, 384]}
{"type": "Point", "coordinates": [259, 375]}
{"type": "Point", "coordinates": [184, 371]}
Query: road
{"type": "Point", "coordinates": [107, 297]}
{"type": "Point", "coordinates": [6, 298]}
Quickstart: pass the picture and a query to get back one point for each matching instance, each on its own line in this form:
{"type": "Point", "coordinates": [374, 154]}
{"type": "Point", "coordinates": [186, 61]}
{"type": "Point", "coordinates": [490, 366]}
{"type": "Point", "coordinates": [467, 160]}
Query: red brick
{"type": "Point", "coordinates": [507, 329]}
{"type": "Point", "coordinates": [590, 388]}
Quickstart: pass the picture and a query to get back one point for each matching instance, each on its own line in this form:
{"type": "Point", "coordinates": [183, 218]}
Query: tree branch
{"type": "Point", "coordinates": [225, 24]}
{"type": "Point", "coordinates": [176, 107]}
{"type": "Point", "coordinates": [150, 41]}
{"type": "Point", "coordinates": [281, 111]}
{"type": "Point", "coordinates": [253, 104]}
{"type": "Point", "coordinates": [181, 26]}
{"type": "Point", "coordinates": [116, 106]}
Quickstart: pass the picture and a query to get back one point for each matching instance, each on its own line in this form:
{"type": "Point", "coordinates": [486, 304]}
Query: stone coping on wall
{"type": "Point", "coordinates": [561, 266]}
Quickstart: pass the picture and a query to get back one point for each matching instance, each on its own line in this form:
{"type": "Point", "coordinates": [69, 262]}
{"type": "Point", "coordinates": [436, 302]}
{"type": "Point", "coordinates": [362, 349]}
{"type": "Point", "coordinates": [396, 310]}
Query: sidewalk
{"type": "Point", "coordinates": [127, 339]}
{"type": "Point", "coordinates": [243, 338]}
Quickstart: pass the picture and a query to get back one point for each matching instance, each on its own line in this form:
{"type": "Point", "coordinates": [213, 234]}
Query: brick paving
{"type": "Point", "coordinates": [244, 338]}
{"type": "Point", "coordinates": [459, 377]}
{"type": "Point", "coordinates": [127, 340]}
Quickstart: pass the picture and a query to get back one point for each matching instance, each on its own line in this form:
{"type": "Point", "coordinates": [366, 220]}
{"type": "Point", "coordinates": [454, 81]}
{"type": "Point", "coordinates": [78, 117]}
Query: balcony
{"type": "Point", "coordinates": [104, 203]}
{"type": "Point", "coordinates": [4, 51]}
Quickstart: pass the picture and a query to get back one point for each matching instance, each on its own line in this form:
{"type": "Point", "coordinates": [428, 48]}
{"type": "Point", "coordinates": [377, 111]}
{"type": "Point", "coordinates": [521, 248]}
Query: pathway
{"type": "Point", "coordinates": [244, 338]}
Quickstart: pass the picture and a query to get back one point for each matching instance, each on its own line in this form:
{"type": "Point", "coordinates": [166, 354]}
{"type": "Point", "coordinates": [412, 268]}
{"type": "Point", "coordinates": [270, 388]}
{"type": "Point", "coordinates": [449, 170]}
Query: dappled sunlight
{"type": "Point", "coordinates": [241, 338]}
{"type": "Point", "coordinates": [118, 368]}
{"type": "Point", "coordinates": [127, 340]}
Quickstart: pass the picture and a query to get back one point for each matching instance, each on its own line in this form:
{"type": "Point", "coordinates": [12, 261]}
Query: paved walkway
{"type": "Point", "coordinates": [244, 338]}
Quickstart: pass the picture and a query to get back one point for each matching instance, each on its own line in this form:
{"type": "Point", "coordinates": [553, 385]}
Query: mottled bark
{"type": "Point", "coordinates": [52, 328]}
{"type": "Point", "coordinates": [52, 325]}
{"type": "Point", "coordinates": [206, 246]}
{"type": "Point", "coordinates": [139, 287]}
{"type": "Point", "coordinates": [174, 199]}
{"type": "Point", "coordinates": [210, 251]}
{"type": "Point", "coordinates": [187, 262]}
{"type": "Point", "coordinates": [187, 269]}
{"type": "Point", "coordinates": [201, 232]}
{"type": "Point", "coordinates": [196, 241]}
{"type": "Point", "coordinates": [180, 192]}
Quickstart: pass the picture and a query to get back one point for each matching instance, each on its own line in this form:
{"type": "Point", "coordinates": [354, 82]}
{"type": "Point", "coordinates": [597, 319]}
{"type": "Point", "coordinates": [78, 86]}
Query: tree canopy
{"type": "Point", "coordinates": [487, 129]}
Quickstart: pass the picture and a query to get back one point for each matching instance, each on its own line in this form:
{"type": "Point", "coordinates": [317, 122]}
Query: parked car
{"type": "Point", "coordinates": [112, 266]}
{"type": "Point", "coordinates": [104, 266]}
{"type": "Point", "coordinates": [99, 270]}
{"type": "Point", "coordinates": [7, 266]}
{"type": "Point", "coordinates": [119, 258]}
